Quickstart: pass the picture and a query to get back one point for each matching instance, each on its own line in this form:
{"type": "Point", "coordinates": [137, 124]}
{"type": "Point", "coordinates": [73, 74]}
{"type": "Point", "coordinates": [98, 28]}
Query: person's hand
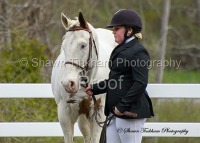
{"type": "Point", "coordinates": [88, 90]}
{"type": "Point", "coordinates": [117, 112]}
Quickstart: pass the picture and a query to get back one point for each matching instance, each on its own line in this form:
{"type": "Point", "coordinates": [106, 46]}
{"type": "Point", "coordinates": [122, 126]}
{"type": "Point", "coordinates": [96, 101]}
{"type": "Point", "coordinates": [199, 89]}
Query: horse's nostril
{"type": "Point", "coordinates": [72, 83]}
{"type": "Point", "coordinates": [69, 86]}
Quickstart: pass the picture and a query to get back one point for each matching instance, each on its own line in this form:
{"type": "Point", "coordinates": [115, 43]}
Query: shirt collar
{"type": "Point", "coordinates": [129, 39]}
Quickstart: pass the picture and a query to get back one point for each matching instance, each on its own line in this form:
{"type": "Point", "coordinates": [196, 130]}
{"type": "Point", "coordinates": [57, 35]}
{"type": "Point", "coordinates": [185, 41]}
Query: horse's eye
{"type": "Point", "coordinates": [83, 46]}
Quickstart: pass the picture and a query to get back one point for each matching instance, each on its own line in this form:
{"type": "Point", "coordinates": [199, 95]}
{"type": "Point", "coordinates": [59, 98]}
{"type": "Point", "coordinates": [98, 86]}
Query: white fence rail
{"type": "Point", "coordinates": [151, 129]}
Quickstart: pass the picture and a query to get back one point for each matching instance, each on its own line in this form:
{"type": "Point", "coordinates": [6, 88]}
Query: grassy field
{"type": "Point", "coordinates": [166, 110]}
{"type": "Point", "coordinates": [181, 77]}
{"type": "Point", "coordinates": [177, 76]}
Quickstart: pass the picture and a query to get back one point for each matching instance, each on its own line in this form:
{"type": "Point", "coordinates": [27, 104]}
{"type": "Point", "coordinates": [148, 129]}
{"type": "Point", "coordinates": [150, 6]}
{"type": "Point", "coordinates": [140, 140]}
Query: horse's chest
{"type": "Point", "coordinates": [86, 105]}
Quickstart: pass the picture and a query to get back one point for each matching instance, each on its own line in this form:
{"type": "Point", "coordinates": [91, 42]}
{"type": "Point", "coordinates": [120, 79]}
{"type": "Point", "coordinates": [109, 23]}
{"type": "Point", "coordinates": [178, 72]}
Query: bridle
{"type": "Point", "coordinates": [86, 68]}
{"type": "Point", "coordinates": [91, 40]}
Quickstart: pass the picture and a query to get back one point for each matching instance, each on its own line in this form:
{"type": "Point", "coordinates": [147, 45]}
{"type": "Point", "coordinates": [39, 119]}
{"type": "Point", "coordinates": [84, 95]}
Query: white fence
{"type": "Point", "coordinates": [151, 129]}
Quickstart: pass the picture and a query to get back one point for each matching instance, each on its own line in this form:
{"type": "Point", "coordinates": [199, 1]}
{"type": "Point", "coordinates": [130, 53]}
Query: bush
{"type": "Point", "coordinates": [16, 61]}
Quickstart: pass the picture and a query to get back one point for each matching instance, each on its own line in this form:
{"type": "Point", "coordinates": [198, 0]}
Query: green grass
{"type": "Point", "coordinates": [177, 76]}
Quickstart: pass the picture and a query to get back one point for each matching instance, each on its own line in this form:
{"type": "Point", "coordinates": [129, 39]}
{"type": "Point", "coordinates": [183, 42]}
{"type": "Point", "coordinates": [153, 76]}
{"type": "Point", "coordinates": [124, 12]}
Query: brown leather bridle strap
{"type": "Point", "coordinates": [74, 64]}
{"type": "Point", "coordinates": [77, 28]}
{"type": "Point", "coordinates": [91, 40]}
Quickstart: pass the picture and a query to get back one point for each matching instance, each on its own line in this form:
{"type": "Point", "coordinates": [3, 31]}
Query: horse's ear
{"type": "Point", "coordinates": [82, 21]}
{"type": "Point", "coordinates": [65, 20]}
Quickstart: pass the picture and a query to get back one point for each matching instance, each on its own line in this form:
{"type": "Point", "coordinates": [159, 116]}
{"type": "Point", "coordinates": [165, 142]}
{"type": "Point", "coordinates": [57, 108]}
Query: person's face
{"type": "Point", "coordinates": [118, 32]}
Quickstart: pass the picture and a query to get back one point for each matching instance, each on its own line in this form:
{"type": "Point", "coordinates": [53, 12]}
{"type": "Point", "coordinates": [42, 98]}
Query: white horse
{"type": "Point", "coordinates": [85, 51]}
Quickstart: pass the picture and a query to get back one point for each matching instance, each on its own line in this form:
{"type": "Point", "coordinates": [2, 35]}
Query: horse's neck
{"type": "Point", "coordinates": [95, 56]}
{"type": "Point", "coordinates": [93, 73]}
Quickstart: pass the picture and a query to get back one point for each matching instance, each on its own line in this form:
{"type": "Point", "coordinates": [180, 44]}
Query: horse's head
{"type": "Point", "coordinates": [80, 49]}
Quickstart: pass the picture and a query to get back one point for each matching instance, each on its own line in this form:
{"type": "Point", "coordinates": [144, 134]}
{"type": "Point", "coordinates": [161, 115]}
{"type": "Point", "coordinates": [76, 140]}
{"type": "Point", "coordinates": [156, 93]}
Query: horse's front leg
{"type": "Point", "coordinates": [84, 126]}
{"type": "Point", "coordinates": [66, 121]}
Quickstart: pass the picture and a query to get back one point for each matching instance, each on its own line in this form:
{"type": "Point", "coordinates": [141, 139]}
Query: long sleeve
{"type": "Point", "coordinates": [100, 87]}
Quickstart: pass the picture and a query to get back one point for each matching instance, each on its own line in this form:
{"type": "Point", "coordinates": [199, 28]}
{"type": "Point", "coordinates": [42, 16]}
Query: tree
{"type": "Point", "coordinates": [198, 11]}
{"type": "Point", "coordinates": [163, 39]}
{"type": "Point", "coordinates": [5, 24]}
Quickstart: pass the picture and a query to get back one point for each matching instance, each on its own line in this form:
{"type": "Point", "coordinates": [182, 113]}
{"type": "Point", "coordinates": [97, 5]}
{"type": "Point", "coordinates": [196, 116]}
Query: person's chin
{"type": "Point", "coordinates": [116, 41]}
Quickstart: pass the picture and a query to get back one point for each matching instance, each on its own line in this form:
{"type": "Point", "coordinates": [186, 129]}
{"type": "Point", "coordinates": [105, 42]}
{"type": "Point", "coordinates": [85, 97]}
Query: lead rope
{"type": "Point", "coordinates": [96, 114]}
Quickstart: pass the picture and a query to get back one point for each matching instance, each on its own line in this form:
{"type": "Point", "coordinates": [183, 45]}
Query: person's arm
{"type": "Point", "coordinates": [100, 87]}
{"type": "Point", "coordinates": [140, 81]}
{"type": "Point", "coordinates": [97, 88]}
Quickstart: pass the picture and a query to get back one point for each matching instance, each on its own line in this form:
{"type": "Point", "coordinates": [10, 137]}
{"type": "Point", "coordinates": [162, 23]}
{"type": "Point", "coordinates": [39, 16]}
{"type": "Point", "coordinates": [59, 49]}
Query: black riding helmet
{"type": "Point", "coordinates": [128, 18]}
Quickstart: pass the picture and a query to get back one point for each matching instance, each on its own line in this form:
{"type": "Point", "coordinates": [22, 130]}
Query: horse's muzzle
{"type": "Point", "coordinates": [70, 86]}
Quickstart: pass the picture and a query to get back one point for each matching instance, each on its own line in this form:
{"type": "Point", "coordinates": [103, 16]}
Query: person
{"type": "Point", "coordinates": [126, 95]}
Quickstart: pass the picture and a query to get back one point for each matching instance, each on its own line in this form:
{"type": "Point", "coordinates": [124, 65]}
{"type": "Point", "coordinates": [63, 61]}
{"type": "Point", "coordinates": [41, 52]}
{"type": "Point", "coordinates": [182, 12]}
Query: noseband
{"type": "Point", "coordinates": [91, 40]}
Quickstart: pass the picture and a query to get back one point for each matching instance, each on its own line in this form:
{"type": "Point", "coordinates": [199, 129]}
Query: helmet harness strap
{"type": "Point", "coordinates": [126, 33]}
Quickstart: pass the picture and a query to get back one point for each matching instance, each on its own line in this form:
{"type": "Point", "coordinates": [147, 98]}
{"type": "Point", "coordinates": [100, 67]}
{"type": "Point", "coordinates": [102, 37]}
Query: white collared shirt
{"type": "Point", "coordinates": [129, 39]}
